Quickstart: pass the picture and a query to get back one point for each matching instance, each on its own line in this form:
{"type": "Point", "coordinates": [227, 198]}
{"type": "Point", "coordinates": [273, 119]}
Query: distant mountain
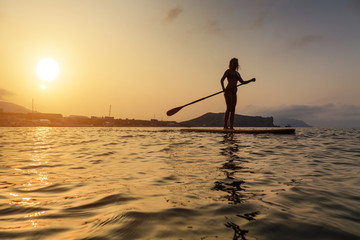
{"type": "Point", "coordinates": [217, 120]}
{"type": "Point", "coordinates": [282, 122]}
{"type": "Point", "coordinates": [13, 108]}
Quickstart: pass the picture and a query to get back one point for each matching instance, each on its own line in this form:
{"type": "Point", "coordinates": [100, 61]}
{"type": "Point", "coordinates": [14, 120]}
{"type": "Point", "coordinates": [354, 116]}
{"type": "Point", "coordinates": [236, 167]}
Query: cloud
{"type": "Point", "coordinates": [300, 111]}
{"type": "Point", "coordinates": [212, 27]}
{"type": "Point", "coordinates": [206, 28]}
{"type": "Point", "coordinates": [328, 115]}
{"type": "Point", "coordinates": [307, 40]}
{"type": "Point", "coordinates": [259, 20]}
{"type": "Point", "coordinates": [173, 14]}
{"type": "Point", "coordinates": [355, 5]}
{"type": "Point", "coordinates": [4, 93]}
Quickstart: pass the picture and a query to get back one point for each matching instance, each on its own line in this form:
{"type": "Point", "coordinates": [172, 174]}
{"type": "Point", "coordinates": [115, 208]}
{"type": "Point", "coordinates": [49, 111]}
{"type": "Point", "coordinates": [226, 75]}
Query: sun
{"type": "Point", "coordinates": [47, 69]}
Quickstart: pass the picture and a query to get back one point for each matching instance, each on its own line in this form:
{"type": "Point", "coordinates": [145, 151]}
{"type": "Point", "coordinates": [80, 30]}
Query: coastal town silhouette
{"type": "Point", "coordinates": [18, 116]}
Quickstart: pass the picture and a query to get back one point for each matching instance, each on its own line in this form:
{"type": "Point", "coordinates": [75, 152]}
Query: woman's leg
{"type": "Point", "coordinates": [232, 110]}
{"type": "Point", "coordinates": [226, 118]}
{"type": "Point", "coordinates": [228, 109]}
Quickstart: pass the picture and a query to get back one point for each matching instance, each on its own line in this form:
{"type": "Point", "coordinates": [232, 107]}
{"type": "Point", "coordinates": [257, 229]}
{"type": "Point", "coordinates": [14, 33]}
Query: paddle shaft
{"type": "Point", "coordinates": [175, 110]}
{"type": "Point", "coordinates": [211, 95]}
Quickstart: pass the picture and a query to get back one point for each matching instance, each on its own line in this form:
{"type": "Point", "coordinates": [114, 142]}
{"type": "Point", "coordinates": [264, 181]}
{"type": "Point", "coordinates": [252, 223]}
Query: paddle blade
{"type": "Point", "coordinates": [173, 111]}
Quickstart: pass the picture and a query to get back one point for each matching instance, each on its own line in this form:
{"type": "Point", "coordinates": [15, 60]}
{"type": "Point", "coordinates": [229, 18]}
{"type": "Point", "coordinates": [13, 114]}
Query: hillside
{"type": "Point", "coordinates": [217, 120]}
{"type": "Point", "coordinates": [13, 108]}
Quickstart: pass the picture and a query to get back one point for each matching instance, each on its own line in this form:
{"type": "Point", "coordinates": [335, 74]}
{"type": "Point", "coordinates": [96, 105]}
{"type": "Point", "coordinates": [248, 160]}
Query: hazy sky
{"type": "Point", "coordinates": [145, 57]}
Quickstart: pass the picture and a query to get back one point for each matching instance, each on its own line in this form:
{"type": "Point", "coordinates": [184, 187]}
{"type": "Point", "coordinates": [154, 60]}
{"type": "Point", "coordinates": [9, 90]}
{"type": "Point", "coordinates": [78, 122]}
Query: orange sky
{"type": "Point", "coordinates": [146, 57]}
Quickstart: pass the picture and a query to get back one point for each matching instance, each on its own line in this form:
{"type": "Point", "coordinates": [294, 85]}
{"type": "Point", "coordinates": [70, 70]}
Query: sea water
{"type": "Point", "coordinates": [160, 183]}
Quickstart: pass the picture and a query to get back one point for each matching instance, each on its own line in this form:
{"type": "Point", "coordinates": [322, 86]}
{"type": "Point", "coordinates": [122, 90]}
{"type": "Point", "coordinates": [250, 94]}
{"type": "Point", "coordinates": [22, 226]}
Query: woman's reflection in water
{"type": "Point", "coordinates": [231, 185]}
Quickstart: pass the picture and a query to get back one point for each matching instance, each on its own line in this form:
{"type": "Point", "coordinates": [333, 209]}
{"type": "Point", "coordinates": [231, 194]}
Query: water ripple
{"type": "Point", "coordinates": [160, 183]}
{"type": "Point", "coordinates": [113, 199]}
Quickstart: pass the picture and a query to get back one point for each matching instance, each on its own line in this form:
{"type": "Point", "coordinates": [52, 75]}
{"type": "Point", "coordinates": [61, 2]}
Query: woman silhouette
{"type": "Point", "coordinates": [233, 76]}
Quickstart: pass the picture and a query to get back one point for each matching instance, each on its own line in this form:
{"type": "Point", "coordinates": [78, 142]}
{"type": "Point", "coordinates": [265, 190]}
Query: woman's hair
{"type": "Point", "coordinates": [234, 64]}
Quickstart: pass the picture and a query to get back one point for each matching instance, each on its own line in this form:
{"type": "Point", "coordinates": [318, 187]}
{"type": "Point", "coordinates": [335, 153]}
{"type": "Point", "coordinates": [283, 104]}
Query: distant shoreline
{"type": "Point", "coordinates": [35, 119]}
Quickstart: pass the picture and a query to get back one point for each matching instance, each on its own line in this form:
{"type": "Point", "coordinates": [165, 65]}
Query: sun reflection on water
{"type": "Point", "coordinates": [36, 175]}
{"type": "Point", "coordinates": [39, 156]}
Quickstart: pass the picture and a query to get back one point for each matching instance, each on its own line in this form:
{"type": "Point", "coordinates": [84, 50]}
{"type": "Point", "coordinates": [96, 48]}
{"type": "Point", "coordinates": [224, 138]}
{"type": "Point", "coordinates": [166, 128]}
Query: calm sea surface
{"type": "Point", "coordinates": [152, 183]}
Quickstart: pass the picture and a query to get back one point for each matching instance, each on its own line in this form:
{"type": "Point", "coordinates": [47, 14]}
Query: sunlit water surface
{"type": "Point", "coordinates": [152, 183]}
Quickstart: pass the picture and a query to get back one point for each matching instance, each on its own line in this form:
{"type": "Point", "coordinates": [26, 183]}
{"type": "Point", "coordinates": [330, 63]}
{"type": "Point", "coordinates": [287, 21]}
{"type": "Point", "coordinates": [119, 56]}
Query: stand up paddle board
{"type": "Point", "coordinates": [244, 130]}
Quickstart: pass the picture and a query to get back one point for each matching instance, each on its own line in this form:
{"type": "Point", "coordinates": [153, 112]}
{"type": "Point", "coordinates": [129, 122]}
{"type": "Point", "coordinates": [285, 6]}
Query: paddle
{"type": "Point", "coordinates": [175, 110]}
